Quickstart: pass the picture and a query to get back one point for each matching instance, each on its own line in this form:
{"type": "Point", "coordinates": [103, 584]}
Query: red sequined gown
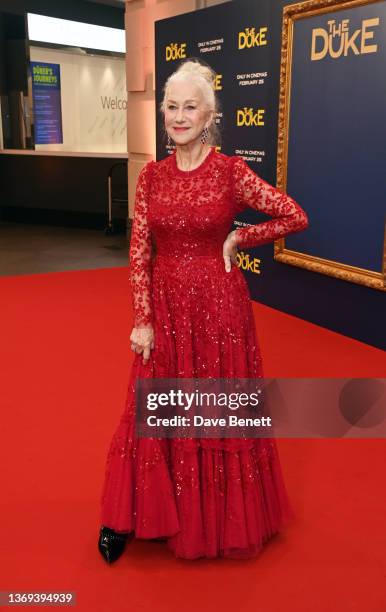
{"type": "Point", "coordinates": [208, 497]}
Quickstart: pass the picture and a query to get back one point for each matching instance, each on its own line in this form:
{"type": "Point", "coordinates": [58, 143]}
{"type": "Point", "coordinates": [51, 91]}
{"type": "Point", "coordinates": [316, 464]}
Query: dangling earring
{"type": "Point", "coordinates": [204, 135]}
{"type": "Point", "coordinates": [169, 141]}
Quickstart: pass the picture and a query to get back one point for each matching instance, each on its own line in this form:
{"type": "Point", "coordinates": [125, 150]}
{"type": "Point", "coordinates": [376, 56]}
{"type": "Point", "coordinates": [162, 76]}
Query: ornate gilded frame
{"type": "Point", "coordinates": [291, 13]}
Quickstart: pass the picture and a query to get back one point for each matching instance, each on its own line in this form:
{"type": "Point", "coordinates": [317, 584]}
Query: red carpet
{"type": "Point", "coordinates": [65, 361]}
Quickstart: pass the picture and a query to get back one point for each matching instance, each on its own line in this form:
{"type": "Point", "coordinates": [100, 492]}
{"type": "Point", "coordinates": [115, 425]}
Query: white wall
{"type": "Point", "coordinates": [94, 100]}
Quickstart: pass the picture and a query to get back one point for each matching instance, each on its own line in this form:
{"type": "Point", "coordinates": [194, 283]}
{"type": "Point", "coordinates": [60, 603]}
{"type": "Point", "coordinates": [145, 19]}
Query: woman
{"type": "Point", "coordinates": [193, 318]}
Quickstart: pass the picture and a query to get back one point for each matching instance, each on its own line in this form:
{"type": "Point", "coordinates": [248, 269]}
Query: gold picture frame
{"type": "Point", "coordinates": [370, 278]}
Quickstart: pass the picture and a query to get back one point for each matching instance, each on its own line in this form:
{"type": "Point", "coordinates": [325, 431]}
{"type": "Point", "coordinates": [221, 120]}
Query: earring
{"type": "Point", "coordinates": [169, 141]}
{"type": "Point", "coordinates": [204, 135]}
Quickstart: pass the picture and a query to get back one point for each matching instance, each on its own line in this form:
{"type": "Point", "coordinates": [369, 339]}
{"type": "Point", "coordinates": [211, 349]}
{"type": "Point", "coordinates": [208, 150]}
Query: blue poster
{"type": "Point", "coordinates": [47, 103]}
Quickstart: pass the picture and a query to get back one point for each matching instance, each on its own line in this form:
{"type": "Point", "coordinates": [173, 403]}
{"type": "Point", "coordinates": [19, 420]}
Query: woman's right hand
{"type": "Point", "coordinates": [142, 341]}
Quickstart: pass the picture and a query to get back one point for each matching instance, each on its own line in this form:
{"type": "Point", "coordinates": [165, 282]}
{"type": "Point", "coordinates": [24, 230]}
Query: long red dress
{"type": "Point", "coordinates": [208, 497]}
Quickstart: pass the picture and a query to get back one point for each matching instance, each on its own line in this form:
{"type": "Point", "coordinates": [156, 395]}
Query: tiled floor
{"type": "Point", "coordinates": [30, 249]}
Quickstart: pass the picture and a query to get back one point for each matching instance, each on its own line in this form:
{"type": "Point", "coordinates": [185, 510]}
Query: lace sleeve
{"type": "Point", "coordinates": [140, 253]}
{"type": "Point", "coordinates": [251, 190]}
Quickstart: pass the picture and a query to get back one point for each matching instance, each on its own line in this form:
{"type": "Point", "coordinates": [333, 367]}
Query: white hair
{"type": "Point", "coordinates": [202, 76]}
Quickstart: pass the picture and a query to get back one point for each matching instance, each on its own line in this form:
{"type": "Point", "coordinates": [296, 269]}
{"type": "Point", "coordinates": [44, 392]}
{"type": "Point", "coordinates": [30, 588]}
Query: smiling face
{"type": "Point", "coordinates": [186, 113]}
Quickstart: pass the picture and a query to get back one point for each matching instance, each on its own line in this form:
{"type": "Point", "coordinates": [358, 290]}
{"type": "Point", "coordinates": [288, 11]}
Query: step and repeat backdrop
{"type": "Point", "coordinates": [303, 102]}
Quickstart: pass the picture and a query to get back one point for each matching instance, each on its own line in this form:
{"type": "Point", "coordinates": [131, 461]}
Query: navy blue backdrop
{"type": "Point", "coordinates": [242, 42]}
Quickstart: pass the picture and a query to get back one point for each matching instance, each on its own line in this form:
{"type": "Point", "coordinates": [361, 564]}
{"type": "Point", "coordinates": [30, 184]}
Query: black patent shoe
{"type": "Point", "coordinates": [111, 544]}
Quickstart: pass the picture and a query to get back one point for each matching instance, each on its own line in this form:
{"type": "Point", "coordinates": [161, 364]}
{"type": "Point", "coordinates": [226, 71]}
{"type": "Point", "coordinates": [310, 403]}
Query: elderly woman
{"type": "Point", "coordinates": [193, 319]}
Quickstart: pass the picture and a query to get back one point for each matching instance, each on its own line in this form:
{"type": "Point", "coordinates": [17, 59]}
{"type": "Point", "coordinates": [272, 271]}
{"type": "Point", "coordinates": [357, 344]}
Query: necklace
{"type": "Point", "coordinates": [200, 160]}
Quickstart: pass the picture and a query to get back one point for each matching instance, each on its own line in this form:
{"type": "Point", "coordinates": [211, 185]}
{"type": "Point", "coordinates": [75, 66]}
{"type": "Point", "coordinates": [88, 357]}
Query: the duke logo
{"type": "Point", "coordinates": [175, 51]}
{"type": "Point", "coordinates": [246, 262]}
{"type": "Point", "coordinates": [354, 43]}
{"type": "Point", "coordinates": [217, 82]}
{"type": "Point", "coordinates": [252, 38]}
{"type": "Point", "coordinates": [250, 117]}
